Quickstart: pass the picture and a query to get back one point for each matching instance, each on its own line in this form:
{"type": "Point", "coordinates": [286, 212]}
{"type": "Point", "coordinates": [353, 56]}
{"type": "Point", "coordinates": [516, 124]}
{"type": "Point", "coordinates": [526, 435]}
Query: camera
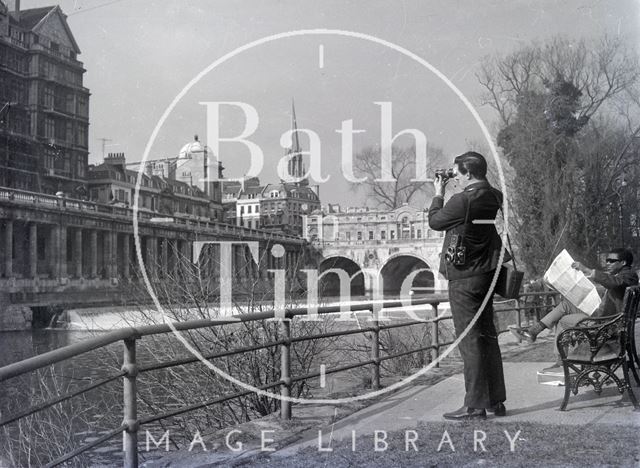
{"type": "Point", "coordinates": [445, 174]}
{"type": "Point", "coordinates": [456, 253]}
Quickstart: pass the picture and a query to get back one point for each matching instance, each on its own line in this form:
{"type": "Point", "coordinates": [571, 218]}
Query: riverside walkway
{"type": "Point", "coordinates": [406, 428]}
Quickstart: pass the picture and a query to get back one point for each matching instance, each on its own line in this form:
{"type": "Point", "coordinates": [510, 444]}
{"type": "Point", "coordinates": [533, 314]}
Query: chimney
{"type": "Point", "coordinates": [4, 20]}
{"type": "Point", "coordinates": [115, 159]}
{"type": "Point", "coordinates": [16, 9]}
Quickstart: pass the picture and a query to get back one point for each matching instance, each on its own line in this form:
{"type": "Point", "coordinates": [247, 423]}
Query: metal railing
{"type": "Point", "coordinates": [131, 367]}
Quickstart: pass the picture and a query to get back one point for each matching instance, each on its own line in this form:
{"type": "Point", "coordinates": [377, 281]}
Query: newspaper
{"type": "Point", "coordinates": [572, 284]}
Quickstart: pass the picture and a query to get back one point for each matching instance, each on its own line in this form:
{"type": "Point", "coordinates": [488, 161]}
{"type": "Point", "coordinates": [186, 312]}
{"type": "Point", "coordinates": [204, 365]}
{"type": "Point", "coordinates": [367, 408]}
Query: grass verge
{"type": "Point", "coordinates": [533, 444]}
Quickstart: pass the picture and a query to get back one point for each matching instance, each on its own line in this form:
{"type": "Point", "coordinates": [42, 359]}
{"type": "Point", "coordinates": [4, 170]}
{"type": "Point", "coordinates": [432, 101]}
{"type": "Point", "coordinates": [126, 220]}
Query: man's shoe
{"type": "Point", "coordinates": [466, 414]}
{"type": "Point", "coordinates": [498, 409]}
{"type": "Point", "coordinates": [523, 334]}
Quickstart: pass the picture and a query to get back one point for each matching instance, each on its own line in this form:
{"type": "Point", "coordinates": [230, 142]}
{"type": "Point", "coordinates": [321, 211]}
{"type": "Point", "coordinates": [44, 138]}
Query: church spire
{"type": "Point", "coordinates": [295, 164]}
{"type": "Point", "coordinates": [295, 143]}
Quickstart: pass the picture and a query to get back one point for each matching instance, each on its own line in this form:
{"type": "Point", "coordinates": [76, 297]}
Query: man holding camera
{"type": "Point", "coordinates": [469, 260]}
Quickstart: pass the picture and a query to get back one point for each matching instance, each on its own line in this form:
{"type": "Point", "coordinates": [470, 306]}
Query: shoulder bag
{"type": "Point", "coordinates": [509, 277]}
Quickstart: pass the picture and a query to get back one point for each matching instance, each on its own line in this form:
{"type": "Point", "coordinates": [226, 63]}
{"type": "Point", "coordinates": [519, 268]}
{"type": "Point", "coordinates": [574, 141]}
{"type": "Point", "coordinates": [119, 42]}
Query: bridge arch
{"type": "Point", "coordinates": [329, 284]}
{"type": "Point", "coordinates": [399, 266]}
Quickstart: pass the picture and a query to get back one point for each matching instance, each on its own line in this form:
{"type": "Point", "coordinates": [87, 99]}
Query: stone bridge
{"type": "Point", "coordinates": [394, 260]}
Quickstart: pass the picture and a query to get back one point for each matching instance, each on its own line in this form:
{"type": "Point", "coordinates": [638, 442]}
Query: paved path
{"type": "Point", "coordinates": [527, 402]}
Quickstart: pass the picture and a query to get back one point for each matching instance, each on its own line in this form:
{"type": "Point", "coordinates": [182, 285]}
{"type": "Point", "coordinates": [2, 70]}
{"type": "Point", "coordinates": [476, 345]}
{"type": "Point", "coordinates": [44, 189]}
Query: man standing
{"type": "Point", "coordinates": [616, 278]}
{"type": "Point", "coordinates": [469, 259]}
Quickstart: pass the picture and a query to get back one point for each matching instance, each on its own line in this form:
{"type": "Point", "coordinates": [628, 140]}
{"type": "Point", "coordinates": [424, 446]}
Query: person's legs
{"type": "Point", "coordinates": [559, 311]}
{"type": "Point", "coordinates": [492, 358]}
{"type": "Point", "coordinates": [548, 321]}
{"type": "Point", "coordinates": [483, 373]}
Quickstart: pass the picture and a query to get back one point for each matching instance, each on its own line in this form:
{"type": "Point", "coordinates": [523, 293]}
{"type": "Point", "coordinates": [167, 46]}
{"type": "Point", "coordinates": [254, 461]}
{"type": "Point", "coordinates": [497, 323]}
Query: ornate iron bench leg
{"type": "Point", "coordinates": [632, 365]}
{"type": "Point", "coordinates": [632, 397]}
{"type": "Point", "coordinates": [567, 386]}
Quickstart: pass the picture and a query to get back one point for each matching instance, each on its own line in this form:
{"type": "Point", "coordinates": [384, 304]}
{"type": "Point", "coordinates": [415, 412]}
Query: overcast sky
{"type": "Point", "coordinates": [140, 54]}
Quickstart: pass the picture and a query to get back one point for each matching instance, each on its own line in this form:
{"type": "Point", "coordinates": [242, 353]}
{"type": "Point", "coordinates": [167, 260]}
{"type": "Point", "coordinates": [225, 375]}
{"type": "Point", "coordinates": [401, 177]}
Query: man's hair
{"type": "Point", "coordinates": [623, 254]}
{"type": "Point", "coordinates": [473, 163]}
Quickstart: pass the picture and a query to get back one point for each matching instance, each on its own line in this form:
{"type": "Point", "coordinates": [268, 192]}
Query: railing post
{"type": "Point", "coordinates": [130, 434]}
{"type": "Point", "coordinates": [518, 317]}
{"type": "Point", "coordinates": [554, 303]}
{"type": "Point", "coordinates": [375, 354]}
{"type": "Point", "coordinates": [435, 336]}
{"type": "Point", "coordinates": [285, 369]}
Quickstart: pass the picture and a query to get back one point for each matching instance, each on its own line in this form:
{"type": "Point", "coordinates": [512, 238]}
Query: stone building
{"type": "Point", "coordinates": [111, 182]}
{"type": "Point", "coordinates": [280, 206]}
{"type": "Point", "coordinates": [367, 226]}
{"type": "Point", "coordinates": [197, 166]}
{"type": "Point", "coordinates": [283, 206]}
{"type": "Point", "coordinates": [44, 107]}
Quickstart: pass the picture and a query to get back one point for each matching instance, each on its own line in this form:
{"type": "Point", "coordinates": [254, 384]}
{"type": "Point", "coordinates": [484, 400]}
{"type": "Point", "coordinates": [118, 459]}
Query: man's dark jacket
{"type": "Point", "coordinates": [482, 242]}
{"type": "Point", "coordinates": [615, 287]}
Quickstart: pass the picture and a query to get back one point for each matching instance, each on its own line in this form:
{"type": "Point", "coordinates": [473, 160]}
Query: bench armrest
{"type": "Point", "coordinates": [606, 329]}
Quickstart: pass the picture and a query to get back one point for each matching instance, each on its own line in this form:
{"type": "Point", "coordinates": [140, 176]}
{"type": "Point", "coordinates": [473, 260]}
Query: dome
{"type": "Point", "coordinates": [191, 148]}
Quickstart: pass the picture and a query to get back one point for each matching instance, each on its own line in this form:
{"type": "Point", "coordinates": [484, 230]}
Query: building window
{"type": "Point", "coordinates": [370, 235]}
{"type": "Point", "coordinates": [419, 233]}
{"type": "Point", "coordinates": [79, 168]}
{"type": "Point", "coordinates": [48, 97]}
{"type": "Point", "coordinates": [359, 235]}
{"type": "Point", "coordinates": [49, 128]}
{"type": "Point", "coordinates": [392, 234]}
{"type": "Point", "coordinates": [383, 235]}
{"type": "Point", "coordinates": [61, 130]}
{"type": "Point", "coordinates": [70, 104]}
{"type": "Point", "coordinates": [348, 235]}
{"type": "Point", "coordinates": [249, 209]}
{"type": "Point", "coordinates": [83, 109]}
{"type": "Point", "coordinates": [48, 159]}
{"type": "Point", "coordinates": [69, 132]}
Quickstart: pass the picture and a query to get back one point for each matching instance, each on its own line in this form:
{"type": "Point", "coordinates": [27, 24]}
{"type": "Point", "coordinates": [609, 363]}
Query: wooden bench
{"type": "Point", "coordinates": [596, 348]}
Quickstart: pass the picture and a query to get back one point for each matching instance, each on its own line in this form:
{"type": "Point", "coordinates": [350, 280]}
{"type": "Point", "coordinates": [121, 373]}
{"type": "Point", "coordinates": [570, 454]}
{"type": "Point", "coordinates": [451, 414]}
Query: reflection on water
{"type": "Point", "coordinates": [18, 345]}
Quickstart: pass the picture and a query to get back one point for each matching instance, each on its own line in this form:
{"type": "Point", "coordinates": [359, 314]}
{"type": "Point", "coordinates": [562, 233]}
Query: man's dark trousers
{"type": "Point", "coordinates": [483, 373]}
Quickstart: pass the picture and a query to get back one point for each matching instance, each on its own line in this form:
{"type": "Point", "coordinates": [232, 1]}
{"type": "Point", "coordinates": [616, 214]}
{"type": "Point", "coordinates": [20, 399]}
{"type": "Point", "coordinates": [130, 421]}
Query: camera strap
{"type": "Point", "coordinates": [466, 220]}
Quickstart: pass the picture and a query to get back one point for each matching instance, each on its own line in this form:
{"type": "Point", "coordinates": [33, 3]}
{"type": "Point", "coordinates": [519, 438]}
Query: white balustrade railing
{"type": "Point", "coordinates": [32, 198]}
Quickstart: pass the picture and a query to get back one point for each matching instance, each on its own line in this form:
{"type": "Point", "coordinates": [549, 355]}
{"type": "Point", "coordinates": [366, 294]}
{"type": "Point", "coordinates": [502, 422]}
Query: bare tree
{"type": "Point", "coordinates": [403, 189]}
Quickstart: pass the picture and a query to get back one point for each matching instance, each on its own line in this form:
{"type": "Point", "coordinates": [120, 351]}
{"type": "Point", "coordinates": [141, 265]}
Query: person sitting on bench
{"type": "Point", "coordinates": [616, 278]}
